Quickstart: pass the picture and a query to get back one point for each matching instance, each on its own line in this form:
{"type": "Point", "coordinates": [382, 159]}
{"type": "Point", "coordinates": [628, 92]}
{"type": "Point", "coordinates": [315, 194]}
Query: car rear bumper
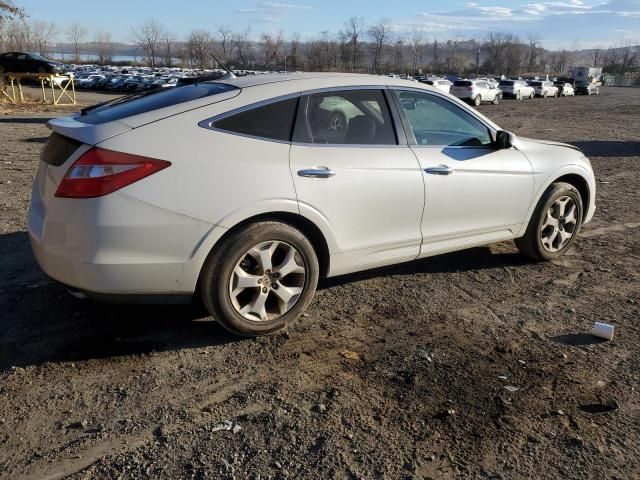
{"type": "Point", "coordinates": [117, 245]}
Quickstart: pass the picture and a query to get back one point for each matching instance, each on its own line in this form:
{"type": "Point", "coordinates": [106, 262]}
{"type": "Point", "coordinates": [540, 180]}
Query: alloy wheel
{"type": "Point", "coordinates": [559, 224]}
{"type": "Point", "coordinates": [267, 281]}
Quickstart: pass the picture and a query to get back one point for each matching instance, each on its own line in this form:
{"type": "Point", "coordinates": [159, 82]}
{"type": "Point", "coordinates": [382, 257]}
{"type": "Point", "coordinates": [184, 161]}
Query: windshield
{"type": "Point", "coordinates": [38, 57]}
{"type": "Point", "coordinates": [138, 103]}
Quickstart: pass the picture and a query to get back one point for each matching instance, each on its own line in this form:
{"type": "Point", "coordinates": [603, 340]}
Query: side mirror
{"type": "Point", "coordinates": [504, 140]}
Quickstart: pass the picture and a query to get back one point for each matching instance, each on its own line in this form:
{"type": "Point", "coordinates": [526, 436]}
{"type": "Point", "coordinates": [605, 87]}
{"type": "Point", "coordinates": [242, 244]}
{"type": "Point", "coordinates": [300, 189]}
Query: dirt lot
{"type": "Point", "coordinates": [395, 373]}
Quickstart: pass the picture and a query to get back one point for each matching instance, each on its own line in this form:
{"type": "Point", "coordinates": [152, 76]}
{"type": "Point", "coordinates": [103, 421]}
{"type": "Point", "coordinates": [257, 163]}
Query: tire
{"type": "Point", "coordinates": [1, 69]}
{"type": "Point", "coordinates": [544, 94]}
{"type": "Point", "coordinates": [532, 96]}
{"type": "Point", "coordinates": [497, 100]}
{"type": "Point", "coordinates": [219, 279]}
{"type": "Point", "coordinates": [478, 100]}
{"type": "Point", "coordinates": [518, 95]}
{"type": "Point", "coordinates": [535, 242]}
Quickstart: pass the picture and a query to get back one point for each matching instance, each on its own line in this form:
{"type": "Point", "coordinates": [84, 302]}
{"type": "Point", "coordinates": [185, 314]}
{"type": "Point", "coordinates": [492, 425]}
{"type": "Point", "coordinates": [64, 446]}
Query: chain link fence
{"type": "Point", "coordinates": [630, 79]}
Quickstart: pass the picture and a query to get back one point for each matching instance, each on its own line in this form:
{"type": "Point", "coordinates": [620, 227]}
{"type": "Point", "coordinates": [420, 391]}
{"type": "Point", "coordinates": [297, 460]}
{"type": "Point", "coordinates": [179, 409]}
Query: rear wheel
{"type": "Point", "coordinates": [554, 223]}
{"type": "Point", "coordinates": [518, 95]}
{"type": "Point", "coordinates": [477, 101]}
{"type": "Point", "coordinates": [260, 279]}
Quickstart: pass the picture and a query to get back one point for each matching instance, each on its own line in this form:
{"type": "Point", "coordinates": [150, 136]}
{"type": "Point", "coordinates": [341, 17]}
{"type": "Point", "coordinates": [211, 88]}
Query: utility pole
{"type": "Point", "coordinates": [477, 58]}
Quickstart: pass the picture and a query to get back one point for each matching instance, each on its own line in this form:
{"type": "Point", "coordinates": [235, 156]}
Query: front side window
{"type": "Point", "coordinates": [273, 121]}
{"type": "Point", "coordinates": [353, 117]}
{"type": "Point", "coordinates": [436, 121]}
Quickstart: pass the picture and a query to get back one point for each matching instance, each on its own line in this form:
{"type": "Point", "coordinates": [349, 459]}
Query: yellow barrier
{"type": "Point", "coordinates": [63, 90]}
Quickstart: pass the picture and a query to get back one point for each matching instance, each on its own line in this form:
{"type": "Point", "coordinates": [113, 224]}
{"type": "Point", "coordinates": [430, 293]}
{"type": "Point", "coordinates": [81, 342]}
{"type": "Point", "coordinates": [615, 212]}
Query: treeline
{"type": "Point", "coordinates": [357, 47]}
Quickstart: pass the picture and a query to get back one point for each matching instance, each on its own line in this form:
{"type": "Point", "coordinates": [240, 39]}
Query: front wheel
{"type": "Point", "coordinates": [554, 224]}
{"type": "Point", "coordinates": [260, 279]}
{"type": "Point", "coordinates": [497, 100]}
{"type": "Point", "coordinates": [518, 96]}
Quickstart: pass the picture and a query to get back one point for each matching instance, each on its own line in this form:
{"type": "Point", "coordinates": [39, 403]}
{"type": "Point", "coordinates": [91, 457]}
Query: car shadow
{"type": "Point", "coordinates": [606, 148]}
{"type": "Point", "coordinates": [9, 119]}
{"type": "Point", "coordinates": [42, 322]}
{"type": "Point", "coordinates": [577, 339]}
{"type": "Point", "coordinates": [35, 139]}
{"type": "Point", "coordinates": [478, 258]}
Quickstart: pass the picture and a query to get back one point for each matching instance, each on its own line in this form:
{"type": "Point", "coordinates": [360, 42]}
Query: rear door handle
{"type": "Point", "coordinates": [317, 172]}
{"type": "Point", "coordinates": [439, 170]}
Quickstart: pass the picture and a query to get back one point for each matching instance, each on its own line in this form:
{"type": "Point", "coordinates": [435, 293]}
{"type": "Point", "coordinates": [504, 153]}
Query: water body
{"type": "Point", "coordinates": [87, 57]}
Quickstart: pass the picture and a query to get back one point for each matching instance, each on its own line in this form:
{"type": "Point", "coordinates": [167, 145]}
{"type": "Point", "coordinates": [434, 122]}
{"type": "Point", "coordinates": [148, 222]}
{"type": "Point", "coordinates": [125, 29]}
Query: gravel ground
{"type": "Point", "coordinates": [470, 365]}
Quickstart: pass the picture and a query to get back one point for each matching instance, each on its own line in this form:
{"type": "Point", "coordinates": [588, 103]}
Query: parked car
{"type": "Point", "coordinates": [20, 62]}
{"type": "Point", "coordinates": [476, 91]}
{"type": "Point", "coordinates": [544, 88]}
{"type": "Point", "coordinates": [517, 89]}
{"type": "Point", "coordinates": [89, 81]}
{"type": "Point", "coordinates": [440, 83]}
{"type": "Point", "coordinates": [232, 189]}
{"type": "Point", "coordinates": [565, 89]}
{"type": "Point", "coordinates": [587, 88]}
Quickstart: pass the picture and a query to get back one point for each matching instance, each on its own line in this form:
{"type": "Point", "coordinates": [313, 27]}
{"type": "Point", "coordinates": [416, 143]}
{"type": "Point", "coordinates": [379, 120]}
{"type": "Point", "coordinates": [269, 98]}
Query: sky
{"type": "Point", "coordinates": [557, 24]}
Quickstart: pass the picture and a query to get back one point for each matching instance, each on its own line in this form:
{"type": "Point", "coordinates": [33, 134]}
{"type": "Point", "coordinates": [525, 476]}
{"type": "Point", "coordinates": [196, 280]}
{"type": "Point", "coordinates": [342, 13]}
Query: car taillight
{"type": "Point", "coordinates": [99, 172]}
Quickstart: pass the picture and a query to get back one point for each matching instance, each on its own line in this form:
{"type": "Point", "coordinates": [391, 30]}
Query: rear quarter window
{"type": "Point", "coordinates": [273, 121]}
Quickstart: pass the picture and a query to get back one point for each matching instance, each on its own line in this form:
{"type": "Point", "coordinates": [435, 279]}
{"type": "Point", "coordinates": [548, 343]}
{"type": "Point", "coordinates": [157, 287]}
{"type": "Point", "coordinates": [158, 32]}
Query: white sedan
{"type": "Point", "coordinates": [244, 192]}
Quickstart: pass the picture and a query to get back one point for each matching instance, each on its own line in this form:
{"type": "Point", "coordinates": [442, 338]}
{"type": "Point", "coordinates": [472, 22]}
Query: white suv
{"type": "Point", "coordinates": [244, 192]}
{"type": "Point", "coordinates": [544, 88]}
{"type": "Point", "coordinates": [476, 91]}
{"type": "Point", "coordinates": [517, 89]}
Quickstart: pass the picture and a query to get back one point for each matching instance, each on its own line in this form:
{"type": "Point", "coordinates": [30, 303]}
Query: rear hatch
{"type": "Point", "coordinates": [461, 88]}
{"type": "Point", "coordinates": [74, 135]}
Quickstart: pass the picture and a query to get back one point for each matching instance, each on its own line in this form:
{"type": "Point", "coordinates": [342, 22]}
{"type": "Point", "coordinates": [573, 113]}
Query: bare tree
{"type": "Point", "coordinates": [271, 48]}
{"type": "Point", "coordinates": [43, 34]}
{"type": "Point", "coordinates": [76, 33]}
{"type": "Point", "coordinates": [293, 53]}
{"type": "Point", "coordinates": [198, 45]}
{"type": "Point", "coordinates": [104, 47]}
{"type": "Point", "coordinates": [417, 44]}
{"type": "Point", "coordinates": [350, 35]}
{"type": "Point", "coordinates": [379, 34]}
{"type": "Point", "coordinates": [8, 9]}
{"type": "Point", "coordinates": [628, 56]}
{"type": "Point", "coordinates": [533, 52]}
{"type": "Point", "coordinates": [148, 37]}
{"type": "Point", "coordinates": [225, 36]}
{"type": "Point", "coordinates": [242, 47]}
{"type": "Point", "coordinates": [167, 48]}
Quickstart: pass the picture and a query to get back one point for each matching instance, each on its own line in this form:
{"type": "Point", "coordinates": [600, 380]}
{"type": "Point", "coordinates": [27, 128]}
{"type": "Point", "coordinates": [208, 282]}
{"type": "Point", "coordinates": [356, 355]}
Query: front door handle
{"type": "Point", "coordinates": [317, 172]}
{"type": "Point", "coordinates": [439, 170]}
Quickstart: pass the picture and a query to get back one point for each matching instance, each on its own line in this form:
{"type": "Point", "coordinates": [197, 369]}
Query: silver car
{"type": "Point", "coordinates": [245, 193]}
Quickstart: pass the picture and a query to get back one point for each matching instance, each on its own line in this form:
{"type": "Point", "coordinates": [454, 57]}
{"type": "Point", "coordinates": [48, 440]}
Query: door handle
{"type": "Point", "coordinates": [317, 172]}
{"type": "Point", "coordinates": [439, 170]}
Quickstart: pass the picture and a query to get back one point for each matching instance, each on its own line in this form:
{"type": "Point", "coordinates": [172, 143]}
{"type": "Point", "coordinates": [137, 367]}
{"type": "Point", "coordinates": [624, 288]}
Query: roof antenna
{"type": "Point", "coordinates": [229, 74]}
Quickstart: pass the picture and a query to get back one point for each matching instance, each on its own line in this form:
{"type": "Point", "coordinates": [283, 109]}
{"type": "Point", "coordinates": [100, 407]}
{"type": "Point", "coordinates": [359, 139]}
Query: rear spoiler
{"type": "Point", "coordinates": [73, 127]}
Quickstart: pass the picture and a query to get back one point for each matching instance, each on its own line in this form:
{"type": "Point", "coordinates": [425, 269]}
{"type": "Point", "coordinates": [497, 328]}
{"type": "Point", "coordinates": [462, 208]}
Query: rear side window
{"type": "Point", "coordinates": [273, 121]}
{"type": "Point", "coordinates": [142, 103]}
{"type": "Point", "coordinates": [58, 149]}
